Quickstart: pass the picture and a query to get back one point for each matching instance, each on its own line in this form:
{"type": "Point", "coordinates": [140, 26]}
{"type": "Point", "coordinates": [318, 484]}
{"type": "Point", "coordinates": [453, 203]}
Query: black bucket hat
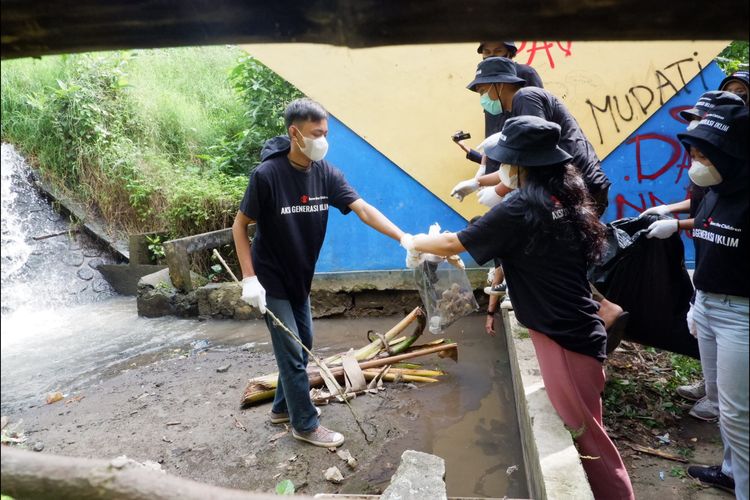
{"type": "Point", "coordinates": [709, 101]}
{"type": "Point", "coordinates": [511, 46]}
{"type": "Point", "coordinates": [740, 76]}
{"type": "Point", "coordinates": [725, 128]}
{"type": "Point", "coordinates": [528, 141]}
{"type": "Point", "coordinates": [495, 70]}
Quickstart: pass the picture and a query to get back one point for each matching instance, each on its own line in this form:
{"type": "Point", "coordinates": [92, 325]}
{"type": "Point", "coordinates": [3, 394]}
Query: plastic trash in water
{"type": "Point", "coordinates": [661, 475]}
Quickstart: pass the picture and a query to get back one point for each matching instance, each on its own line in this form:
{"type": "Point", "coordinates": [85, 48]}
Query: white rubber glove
{"type": "Point", "coordinates": [464, 187]}
{"type": "Point", "coordinates": [413, 258]}
{"type": "Point", "coordinates": [488, 196]}
{"type": "Point", "coordinates": [691, 323]}
{"type": "Point", "coordinates": [254, 294]}
{"type": "Point", "coordinates": [657, 210]}
{"type": "Point", "coordinates": [662, 229]}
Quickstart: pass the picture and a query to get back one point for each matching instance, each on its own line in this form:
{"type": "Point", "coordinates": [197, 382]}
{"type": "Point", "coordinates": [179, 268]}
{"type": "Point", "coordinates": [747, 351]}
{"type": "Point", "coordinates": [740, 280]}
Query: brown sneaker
{"type": "Point", "coordinates": [321, 436]}
{"type": "Point", "coordinates": [282, 418]}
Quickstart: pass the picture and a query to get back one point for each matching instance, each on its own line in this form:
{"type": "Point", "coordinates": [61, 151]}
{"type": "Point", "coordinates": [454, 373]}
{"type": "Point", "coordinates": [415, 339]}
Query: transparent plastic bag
{"type": "Point", "coordinates": [446, 292]}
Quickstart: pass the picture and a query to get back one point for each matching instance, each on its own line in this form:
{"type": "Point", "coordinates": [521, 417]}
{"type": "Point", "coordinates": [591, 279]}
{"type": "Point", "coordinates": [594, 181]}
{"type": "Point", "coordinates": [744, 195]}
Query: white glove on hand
{"type": "Point", "coordinates": [691, 323]}
{"type": "Point", "coordinates": [657, 210]}
{"type": "Point", "coordinates": [464, 187]}
{"type": "Point", "coordinates": [480, 171]}
{"type": "Point", "coordinates": [254, 294]}
{"type": "Point", "coordinates": [488, 196]}
{"type": "Point", "coordinates": [662, 229]}
{"type": "Point", "coordinates": [413, 258]}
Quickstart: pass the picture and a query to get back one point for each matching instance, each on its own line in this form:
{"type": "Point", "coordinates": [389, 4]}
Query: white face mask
{"type": "Point", "coordinates": [509, 175]}
{"type": "Point", "coordinates": [693, 124]}
{"type": "Point", "coordinates": [704, 175]}
{"type": "Point", "coordinates": [315, 149]}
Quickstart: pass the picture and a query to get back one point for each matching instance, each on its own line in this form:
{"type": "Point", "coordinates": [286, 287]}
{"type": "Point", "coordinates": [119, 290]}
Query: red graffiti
{"type": "Point", "coordinates": [675, 113]}
{"type": "Point", "coordinates": [565, 48]}
{"type": "Point", "coordinates": [663, 169]}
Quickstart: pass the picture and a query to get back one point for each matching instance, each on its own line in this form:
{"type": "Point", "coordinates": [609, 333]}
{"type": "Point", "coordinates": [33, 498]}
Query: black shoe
{"type": "Point", "coordinates": [616, 331]}
{"type": "Point", "coordinates": [712, 476]}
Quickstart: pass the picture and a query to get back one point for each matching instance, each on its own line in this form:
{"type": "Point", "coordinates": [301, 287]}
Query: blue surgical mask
{"type": "Point", "coordinates": [491, 106]}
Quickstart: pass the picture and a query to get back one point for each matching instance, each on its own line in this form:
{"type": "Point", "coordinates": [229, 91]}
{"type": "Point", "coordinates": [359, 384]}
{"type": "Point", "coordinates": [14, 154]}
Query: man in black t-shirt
{"type": "Point", "coordinates": [288, 198]}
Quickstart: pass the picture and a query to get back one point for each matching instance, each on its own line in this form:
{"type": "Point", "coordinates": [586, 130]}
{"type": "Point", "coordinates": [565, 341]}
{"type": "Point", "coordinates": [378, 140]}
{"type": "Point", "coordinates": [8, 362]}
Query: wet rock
{"type": "Point", "coordinates": [223, 369]}
{"type": "Point", "coordinates": [95, 263]}
{"type": "Point", "coordinates": [85, 274]}
{"type": "Point", "coordinates": [92, 252]}
{"type": "Point", "coordinates": [73, 259]}
{"type": "Point", "coordinates": [100, 286]}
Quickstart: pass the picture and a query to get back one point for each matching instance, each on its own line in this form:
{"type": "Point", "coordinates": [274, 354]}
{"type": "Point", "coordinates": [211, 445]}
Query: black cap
{"type": "Point", "coordinates": [495, 70]}
{"type": "Point", "coordinates": [724, 127]}
{"type": "Point", "coordinates": [742, 76]}
{"type": "Point", "coordinates": [511, 46]}
{"type": "Point", "coordinates": [528, 141]}
{"type": "Point", "coordinates": [709, 101]}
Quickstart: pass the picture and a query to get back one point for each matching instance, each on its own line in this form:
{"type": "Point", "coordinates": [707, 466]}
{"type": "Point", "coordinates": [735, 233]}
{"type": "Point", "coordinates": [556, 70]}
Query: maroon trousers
{"type": "Point", "coordinates": [574, 383]}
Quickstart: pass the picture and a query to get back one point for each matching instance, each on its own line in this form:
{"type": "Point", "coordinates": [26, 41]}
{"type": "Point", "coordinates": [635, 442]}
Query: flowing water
{"type": "Point", "coordinates": [64, 329]}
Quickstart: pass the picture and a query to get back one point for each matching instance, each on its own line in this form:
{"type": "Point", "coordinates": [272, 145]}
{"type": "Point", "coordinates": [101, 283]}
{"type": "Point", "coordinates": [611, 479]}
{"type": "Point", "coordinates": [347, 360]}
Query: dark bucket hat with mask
{"type": "Point", "coordinates": [725, 128]}
{"type": "Point", "coordinates": [495, 70]}
{"type": "Point", "coordinates": [528, 141]}
{"type": "Point", "coordinates": [511, 46]}
{"type": "Point", "coordinates": [709, 101]}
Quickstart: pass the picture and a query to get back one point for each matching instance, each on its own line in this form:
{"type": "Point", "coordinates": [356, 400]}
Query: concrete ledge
{"type": "Point", "coordinates": [553, 467]}
{"type": "Point", "coordinates": [94, 228]}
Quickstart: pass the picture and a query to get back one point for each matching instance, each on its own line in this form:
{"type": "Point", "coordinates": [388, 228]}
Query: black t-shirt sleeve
{"type": "Point", "coordinates": [474, 156]}
{"type": "Point", "coordinates": [253, 199]}
{"type": "Point", "coordinates": [489, 237]}
{"type": "Point", "coordinates": [340, 193]}
{"type": "Point", "coordinates": [529, 104]}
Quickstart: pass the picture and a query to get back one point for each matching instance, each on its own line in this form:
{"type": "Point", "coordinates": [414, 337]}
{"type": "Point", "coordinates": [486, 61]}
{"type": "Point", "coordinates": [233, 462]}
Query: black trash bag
{"type": "Point", "coordinates": [647, 278]}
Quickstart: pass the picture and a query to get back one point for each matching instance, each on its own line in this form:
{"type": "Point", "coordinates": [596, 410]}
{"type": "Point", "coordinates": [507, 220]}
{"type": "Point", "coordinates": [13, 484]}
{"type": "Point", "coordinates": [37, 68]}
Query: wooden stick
{"type": "Point", "coordinates": [657, 453]}
{"type": "Point", "coordinates": [52, 235]}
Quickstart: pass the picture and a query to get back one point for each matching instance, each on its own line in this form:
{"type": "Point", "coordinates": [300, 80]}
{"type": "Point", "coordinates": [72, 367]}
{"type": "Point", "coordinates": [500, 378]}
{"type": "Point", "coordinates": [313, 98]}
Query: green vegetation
{"type": "Point", "coordinates": [152, 140]}
{"type": "Point", "coordinates": [734, 57]}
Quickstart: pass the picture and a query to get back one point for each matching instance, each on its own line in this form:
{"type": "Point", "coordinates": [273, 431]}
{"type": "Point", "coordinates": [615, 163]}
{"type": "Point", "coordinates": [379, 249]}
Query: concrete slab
{"type": "Point", "coordinates": [553, 466]}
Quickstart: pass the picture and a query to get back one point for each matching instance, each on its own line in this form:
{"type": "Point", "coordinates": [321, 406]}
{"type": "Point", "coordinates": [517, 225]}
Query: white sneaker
{"type": "Point", "coordinates": [705, 410]}
{"type": "Point", "coordinates": [693, 392]}
{"type": "Point", "coordinates": [321, 436]}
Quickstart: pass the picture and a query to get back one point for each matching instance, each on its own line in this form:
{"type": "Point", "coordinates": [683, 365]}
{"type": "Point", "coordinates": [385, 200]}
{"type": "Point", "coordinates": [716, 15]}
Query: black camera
{"type": "Point", "coordinates": [460, 136]}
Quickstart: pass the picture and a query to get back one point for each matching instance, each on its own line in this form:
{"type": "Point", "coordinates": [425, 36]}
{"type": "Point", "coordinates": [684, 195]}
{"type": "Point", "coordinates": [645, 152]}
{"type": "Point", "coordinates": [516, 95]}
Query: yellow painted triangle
{"type": "Point", "coordinates": [407, 101]}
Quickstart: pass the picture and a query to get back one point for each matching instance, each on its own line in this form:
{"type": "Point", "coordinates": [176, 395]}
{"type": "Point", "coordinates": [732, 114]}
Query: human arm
{"type": "Point", "coordinates": [489, 322]}
{"type": "Point", "coordinates": [443, 244]}
{"type": "Point", "coordinates": [466, 187]}
{"type": "Point", "coordinates": [252, 291]}
{"type": "Point", "coordinates": [680, 207]}
{"type": "Point", "coordinates": [375, 219]}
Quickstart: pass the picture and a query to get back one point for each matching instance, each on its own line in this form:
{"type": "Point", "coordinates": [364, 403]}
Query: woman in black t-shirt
{"type": "Point", "coordinates": [547, 233]}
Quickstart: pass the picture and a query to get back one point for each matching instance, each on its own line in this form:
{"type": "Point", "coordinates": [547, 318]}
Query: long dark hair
{"type": "Point", "coordinates": [554, 195]}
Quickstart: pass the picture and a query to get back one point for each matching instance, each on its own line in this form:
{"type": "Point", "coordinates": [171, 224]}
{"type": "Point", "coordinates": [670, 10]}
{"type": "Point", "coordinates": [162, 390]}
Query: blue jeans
{"type": "Point", "coordinates": [293, 388]}
{"type": "Point", "coordinates": [722, 323]}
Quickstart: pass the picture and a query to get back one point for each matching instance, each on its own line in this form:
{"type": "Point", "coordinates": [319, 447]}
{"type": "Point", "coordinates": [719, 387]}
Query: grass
{"type": "Point", "coordinates": [151, 140]}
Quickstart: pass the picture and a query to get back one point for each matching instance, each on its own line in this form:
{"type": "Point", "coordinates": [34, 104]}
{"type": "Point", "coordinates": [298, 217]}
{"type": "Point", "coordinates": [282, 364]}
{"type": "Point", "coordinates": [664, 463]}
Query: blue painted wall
{"type": "Point", "coordinates": [650, 167]}
{"type": "Point", "coordinates": [350, 245]}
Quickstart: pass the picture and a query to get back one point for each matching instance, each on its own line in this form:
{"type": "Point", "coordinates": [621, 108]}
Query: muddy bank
{"type": "Point", "coordinates": [177, 410]}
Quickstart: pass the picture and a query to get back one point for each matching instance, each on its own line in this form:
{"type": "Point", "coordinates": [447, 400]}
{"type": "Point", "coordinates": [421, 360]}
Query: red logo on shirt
{"type": "Point", "coordinates": [304, 199]}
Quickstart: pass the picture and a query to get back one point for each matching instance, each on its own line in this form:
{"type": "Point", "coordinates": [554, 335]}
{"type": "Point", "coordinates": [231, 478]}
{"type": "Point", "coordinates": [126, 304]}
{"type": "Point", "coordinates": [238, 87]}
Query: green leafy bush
{"type": "Point", "coordinates": [152, 140]}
